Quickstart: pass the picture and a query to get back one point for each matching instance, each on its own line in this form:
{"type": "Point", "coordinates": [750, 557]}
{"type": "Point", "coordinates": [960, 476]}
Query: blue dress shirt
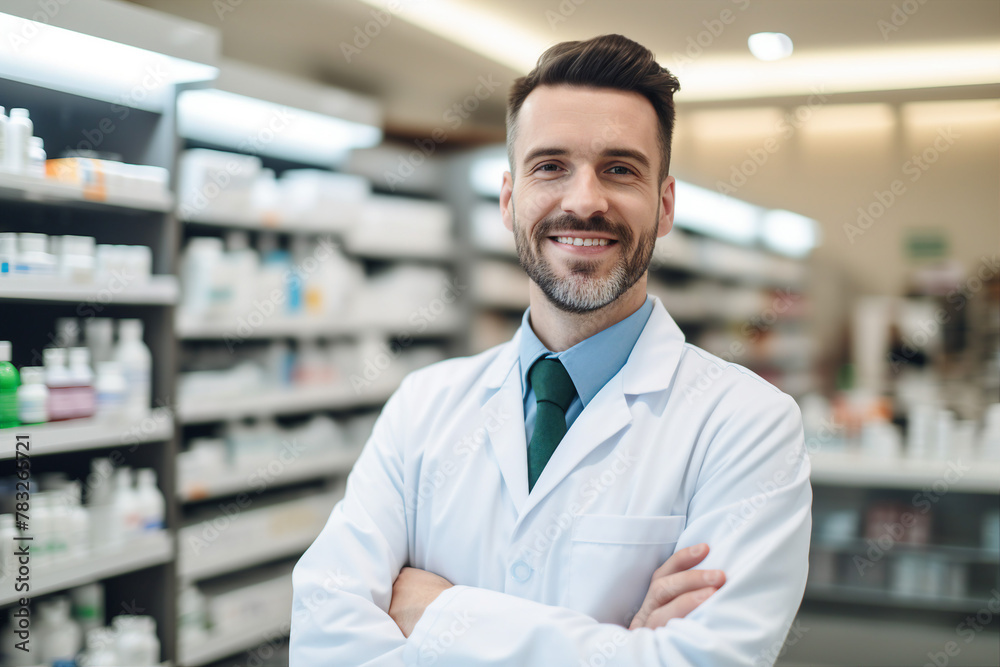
{"type": "Point", "coordinates": [590, 363]}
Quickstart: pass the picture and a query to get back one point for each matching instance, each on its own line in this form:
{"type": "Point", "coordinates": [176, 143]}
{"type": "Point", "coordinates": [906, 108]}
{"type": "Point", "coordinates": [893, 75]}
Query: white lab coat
{"type": "Point", "coordinates": [678, 448]}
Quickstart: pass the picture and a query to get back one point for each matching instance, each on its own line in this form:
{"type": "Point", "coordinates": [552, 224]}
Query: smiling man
{"type": "Point", "coordinates": [546, 502]}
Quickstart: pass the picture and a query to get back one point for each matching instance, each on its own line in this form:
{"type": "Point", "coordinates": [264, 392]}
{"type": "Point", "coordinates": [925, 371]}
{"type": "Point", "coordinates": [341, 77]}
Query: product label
{"type": "Point", "coordinates": [71, 403]}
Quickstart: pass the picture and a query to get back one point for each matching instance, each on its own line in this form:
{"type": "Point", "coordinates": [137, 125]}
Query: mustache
{"type": "Point", "coordinates": [569, 222]}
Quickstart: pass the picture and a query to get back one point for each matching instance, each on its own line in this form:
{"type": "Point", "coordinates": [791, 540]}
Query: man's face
{"type": "Point", "coordinates": [586, 171]}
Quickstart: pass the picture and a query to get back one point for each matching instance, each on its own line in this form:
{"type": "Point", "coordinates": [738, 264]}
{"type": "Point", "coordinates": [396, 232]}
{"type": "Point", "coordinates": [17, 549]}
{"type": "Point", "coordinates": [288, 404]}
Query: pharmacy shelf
{"type": "Point", "coordinates": [231, 482]}
{"type": "Point", "coordinates": [223, 560]}
{"type": "Point", "coordinates": [445, 251]}
{"type": "Point", "coordinates": [714, 259]}
{"type": "Point", "coordinates": [235, 560]}
{"type": "Point", "coordinates": [138, 554]}
{"type": "Point", "coordinates": [257, 223]}
{"type": "Point", "coordinates": [507, 304]}
{"type": "Point", "coordinates": [886, 598]}
{"type": "Point", "coordinates": [219, 646]}
{"type": "Point", "coordinates": [502, 253]}
{"type": "Point", "coordinates": [240, 539]}
{"type": "Point", "coordinates": [307, 328]}
{"type": "Point", "coordinates": [953, 553]}
{"type": "Point", "coordinates": [853, 469]}
{"type": "Point", "coordinates": [80, 434]}
{"type": "Point", "coordinates": [201, 409]}
{"type": "Point", "coordinates": [773, 272]}
{"type": "Point", "coordinates": [159, 290]}
{"type": "Point", "coordinates": [18, 187]}
{"type": "Point", "coordinates": [275, 327]}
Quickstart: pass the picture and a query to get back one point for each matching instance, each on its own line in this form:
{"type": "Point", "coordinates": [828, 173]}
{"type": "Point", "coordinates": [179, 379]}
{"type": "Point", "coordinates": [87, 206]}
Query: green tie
{"type": "Point", "coordinates": [554, 391]}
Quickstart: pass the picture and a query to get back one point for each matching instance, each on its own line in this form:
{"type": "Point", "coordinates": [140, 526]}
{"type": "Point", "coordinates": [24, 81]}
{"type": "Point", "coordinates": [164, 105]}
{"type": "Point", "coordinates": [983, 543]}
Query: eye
{"type": "Point", "coordinates": [620, 170]}
{"type": "Point", "coordinates": [548, 166]}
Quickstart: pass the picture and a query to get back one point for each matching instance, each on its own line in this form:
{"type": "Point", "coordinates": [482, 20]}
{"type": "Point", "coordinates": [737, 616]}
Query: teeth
{"type": "Point", "coordinates": [572, 240]}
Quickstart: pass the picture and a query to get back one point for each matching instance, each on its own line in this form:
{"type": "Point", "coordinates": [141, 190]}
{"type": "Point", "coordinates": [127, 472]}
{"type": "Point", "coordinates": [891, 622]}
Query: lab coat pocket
{"type": "Point", "coordinates": [612, 559]}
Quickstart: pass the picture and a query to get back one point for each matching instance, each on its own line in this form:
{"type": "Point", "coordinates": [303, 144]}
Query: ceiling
{"type": "Point", "coordinates": [830, 159]}
{"type": "Point", "coordinates": [419, 75]}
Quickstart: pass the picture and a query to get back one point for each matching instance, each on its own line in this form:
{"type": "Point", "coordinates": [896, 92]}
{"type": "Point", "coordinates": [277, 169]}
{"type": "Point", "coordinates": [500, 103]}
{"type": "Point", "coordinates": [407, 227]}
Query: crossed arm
{"type": "Point", "coordinates": [356, 603]}
{"type": "Point", "coordinates": [675, 589]}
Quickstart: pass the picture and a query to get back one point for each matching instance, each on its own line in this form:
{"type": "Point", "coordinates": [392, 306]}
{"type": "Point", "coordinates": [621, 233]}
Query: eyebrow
{"type": "Point", "coordinates": [628, 153]}
{"type": "Point", "coordinates": [544, 152]}
{"type": "Point", "coordinates": [611, 152]}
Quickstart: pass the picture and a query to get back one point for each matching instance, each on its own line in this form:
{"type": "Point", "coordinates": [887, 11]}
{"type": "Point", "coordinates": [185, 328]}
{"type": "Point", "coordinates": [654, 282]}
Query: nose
{"type": "Point", "coordinates": [584, 196]}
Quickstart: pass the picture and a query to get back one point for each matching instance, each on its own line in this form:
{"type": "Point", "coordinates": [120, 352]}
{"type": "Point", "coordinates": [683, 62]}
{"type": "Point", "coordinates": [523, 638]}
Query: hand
{"type": "Point", "coordinates": [676, 590]}
{"type": "Point", "coordinates": [412, 592]}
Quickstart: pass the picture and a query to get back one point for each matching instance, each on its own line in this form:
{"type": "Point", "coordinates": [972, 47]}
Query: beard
{"type": "Point", "coordinates": [583, 291]}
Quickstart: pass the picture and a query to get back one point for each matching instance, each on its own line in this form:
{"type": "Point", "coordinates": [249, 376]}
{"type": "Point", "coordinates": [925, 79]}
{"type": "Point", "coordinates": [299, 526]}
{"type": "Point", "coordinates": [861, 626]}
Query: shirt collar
{"type": "Point", "coordinates": [591, 362]}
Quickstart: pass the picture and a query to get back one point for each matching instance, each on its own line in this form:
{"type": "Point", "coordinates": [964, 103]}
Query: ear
{"type": "Point", "coordinates": [507, 201]}
{"type": "Point", "coordinates": [666, 221]}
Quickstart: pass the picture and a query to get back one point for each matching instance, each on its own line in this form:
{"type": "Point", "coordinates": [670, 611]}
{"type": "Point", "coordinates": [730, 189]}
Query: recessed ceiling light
{"type": "Point", "coordinates": [770, 45]}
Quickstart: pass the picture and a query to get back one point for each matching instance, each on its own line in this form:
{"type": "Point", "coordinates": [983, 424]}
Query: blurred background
{"type": "Point", "coordinates": [228, 229]}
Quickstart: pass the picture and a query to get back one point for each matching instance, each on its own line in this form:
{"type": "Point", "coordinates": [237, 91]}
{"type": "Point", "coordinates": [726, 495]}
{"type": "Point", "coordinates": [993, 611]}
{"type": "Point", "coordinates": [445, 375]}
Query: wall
{"type": "Point", "coordinates": [829, 160]}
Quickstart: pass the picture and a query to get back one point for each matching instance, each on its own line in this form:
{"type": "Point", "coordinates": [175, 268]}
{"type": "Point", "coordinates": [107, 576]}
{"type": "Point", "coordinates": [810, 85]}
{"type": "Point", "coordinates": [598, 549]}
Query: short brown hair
{"type": "Point", "coordinates": [608, 61]}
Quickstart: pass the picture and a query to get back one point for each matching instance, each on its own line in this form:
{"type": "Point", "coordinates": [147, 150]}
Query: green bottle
{"type": "Point", "coordinates": [9, 382]}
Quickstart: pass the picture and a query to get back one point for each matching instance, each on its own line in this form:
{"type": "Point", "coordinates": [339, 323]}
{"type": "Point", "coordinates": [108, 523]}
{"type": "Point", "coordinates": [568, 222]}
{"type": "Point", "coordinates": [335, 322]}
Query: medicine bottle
{"type": "Point", "coordinates": [33, 396]}
{"type": "Point", "coordinates": [9, 382]}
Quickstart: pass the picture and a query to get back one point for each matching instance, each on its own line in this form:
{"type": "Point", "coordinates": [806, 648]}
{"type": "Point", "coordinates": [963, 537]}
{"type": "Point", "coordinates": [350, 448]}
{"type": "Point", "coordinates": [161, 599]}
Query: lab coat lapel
{"type": "Point", "coordinates": [653, 361]}
{"type": "Point", "coordinates": [503, 396]}
{"type": "Point", "coordinates": [606, 414]}
{"type": "Point", "coordinates": [650, 367]}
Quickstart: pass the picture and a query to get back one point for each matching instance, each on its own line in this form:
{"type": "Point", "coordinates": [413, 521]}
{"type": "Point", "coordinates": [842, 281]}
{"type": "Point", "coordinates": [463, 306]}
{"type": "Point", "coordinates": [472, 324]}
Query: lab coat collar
{"type": "Point", "coordinates": [498, 370]}
{"type": "Point", "coordinates": [660, 340]}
